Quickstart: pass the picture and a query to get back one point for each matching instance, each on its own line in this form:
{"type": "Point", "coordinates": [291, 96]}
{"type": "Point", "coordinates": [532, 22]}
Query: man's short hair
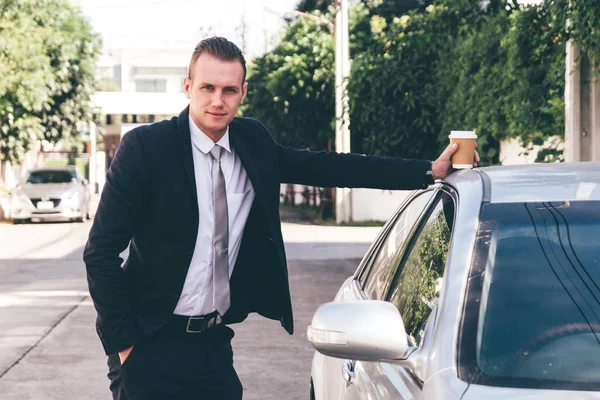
{"type": "Point", "coordinates": [220, 48]}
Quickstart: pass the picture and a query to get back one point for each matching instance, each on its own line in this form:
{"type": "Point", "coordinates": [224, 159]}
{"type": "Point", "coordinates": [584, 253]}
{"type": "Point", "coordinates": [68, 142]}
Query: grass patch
{"type": "Point", "coordinates": [369, 223]}
{"type": "Point", "coordinates": [312, 215]}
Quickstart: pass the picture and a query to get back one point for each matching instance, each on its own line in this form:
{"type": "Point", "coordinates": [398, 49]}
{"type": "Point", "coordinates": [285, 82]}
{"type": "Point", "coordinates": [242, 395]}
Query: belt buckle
{"type": "Point", "coordinates": [190, 319]}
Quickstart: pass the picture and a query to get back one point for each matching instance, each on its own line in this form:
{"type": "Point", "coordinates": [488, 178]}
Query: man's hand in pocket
{"type": "Point", "coordinates": [124, 354]}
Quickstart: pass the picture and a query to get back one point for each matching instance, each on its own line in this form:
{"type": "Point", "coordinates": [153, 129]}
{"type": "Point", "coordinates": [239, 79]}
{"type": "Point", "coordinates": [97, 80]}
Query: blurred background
{"type": "Point", "coordinates": [386, 77]}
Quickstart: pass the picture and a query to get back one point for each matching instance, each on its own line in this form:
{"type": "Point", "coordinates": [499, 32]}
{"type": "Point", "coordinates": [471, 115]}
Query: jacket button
{"type": "Point", "coordinates": [270, 238]}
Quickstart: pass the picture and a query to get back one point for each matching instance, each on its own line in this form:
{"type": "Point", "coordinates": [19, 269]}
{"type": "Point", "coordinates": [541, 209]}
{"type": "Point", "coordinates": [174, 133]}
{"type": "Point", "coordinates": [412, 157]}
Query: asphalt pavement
{"type": "Point", "coordinates": [48, 344]}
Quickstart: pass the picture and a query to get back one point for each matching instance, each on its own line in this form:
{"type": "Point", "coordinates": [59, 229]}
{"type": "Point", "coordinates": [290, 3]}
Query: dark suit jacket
{"type": "Point", "coordinates": [150, 199]}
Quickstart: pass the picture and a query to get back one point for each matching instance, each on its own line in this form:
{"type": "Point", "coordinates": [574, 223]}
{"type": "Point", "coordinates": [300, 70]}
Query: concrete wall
{"type": "Point", "coordinates": [582, 107]}
{"type": "Point", "coordinates": [512, 152]}
{"type": "Point", "coordinates": [367, 204]}
{"type": "Point", "coordinates": [376, 205]}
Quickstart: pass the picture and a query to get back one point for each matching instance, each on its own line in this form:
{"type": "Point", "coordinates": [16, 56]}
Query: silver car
{"type": "Point", "coordinates": [485, 286]}
{"type": "Point", "coordinates": [51, 194]}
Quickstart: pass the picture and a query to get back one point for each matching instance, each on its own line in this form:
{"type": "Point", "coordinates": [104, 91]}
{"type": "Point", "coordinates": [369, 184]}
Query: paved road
{"type": "Point", "coordinates": [48, 345]}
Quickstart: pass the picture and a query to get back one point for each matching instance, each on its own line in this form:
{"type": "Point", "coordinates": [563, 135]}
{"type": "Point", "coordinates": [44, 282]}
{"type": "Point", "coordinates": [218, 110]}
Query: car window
{"type": "Point", "coordinates": [532, 317]}
{"type": "Point", "coordinates": [387, 257]}
{"type": "Point", "coordinates": [51, 176]}
{"type": "Point", "coordinates": [416, 287]}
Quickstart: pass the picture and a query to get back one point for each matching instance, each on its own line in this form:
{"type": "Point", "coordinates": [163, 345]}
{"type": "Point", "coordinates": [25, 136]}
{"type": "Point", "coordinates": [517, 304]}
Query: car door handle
{"type": "Point", "coordinates": [348, 371]}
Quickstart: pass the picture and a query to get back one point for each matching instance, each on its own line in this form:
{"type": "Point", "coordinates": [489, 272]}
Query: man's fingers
{"type": "Point", "coordinates": [450, 149]}
{"type": "Point", "coordinates": [477, 159]}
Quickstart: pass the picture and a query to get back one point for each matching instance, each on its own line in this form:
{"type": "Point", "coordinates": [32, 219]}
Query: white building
{"type": "Point", "coordinates": [144, 82]}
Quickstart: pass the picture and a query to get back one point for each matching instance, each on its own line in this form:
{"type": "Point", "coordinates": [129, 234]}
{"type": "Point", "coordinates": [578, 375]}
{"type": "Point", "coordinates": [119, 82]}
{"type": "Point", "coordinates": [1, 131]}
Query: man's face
{"type": "Point", "coordinates": [216, 90]}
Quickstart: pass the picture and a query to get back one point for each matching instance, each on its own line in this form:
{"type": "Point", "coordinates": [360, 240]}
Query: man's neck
{"type": "Point", "coordinates": [212, 135]}
{"type": "Point", "coordinates": [215, 137]}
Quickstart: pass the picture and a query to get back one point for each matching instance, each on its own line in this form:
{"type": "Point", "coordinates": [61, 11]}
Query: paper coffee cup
{"type": "Point", "coordinates": [464, 157]}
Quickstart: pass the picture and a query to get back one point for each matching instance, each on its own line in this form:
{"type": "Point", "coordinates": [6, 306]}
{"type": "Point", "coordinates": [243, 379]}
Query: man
{"type": "Point", "coordinates": [197, 199]}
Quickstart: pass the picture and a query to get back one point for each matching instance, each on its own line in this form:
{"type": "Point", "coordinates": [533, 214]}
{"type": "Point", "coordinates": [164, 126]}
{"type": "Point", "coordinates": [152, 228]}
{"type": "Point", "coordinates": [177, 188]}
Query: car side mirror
{"type": "Point", "coordinates": [363, 330]}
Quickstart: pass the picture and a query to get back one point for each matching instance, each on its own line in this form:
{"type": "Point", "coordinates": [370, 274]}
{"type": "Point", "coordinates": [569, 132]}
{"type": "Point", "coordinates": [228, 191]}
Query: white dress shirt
{"type": "Point", "coordinates": [197, 294]}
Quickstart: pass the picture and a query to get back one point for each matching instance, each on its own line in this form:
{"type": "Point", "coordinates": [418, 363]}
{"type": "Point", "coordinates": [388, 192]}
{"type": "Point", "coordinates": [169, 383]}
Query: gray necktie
{"type": "Point", "coordinates": [221, 300]}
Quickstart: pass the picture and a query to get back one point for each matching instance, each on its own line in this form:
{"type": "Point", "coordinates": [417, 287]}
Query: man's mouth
{"type": "Point", "coordinates": [217, 115]}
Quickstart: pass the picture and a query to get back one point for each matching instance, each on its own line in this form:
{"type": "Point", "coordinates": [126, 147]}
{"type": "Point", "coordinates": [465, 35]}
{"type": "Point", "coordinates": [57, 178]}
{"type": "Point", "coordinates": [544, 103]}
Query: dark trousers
{"type": "Point", "coordinates": [172, 364]}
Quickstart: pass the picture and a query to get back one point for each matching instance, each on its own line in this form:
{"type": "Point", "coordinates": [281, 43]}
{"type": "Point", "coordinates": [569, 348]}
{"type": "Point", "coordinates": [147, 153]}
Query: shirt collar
{"type": "Point", "coordinates": [203, 142]}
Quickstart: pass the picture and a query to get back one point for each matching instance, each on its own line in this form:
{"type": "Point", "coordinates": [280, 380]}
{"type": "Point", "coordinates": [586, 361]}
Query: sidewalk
{"type": "Point", "coordinates": [68, 361]}
{"type": "Point", "coordinates": [62, 364]}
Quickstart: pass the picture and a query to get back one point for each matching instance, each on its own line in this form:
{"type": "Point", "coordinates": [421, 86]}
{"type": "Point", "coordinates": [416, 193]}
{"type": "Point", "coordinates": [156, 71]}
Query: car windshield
{"type": "Point", "coordinates": [533, 311]}
{"type": "Point", "coordinates": [51, 176]}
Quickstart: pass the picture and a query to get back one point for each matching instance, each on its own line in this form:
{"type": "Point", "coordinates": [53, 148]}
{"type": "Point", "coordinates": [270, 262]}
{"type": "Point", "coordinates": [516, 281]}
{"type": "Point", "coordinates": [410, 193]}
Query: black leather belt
{"type": "Point", "coordinates": [197, 324]}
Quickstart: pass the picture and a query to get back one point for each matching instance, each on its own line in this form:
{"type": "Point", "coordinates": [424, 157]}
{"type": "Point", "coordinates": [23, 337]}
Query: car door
{"type": "Point", "coordinates": [332, 377]}
{"type": "Point", "coordinates": [414, 289]}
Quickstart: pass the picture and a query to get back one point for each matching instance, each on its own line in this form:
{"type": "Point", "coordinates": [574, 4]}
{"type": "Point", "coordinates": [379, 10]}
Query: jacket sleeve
{"type": "Point", "coordinates": [116, 220]}
{"type": "Point", "coordinates": [329, 169]}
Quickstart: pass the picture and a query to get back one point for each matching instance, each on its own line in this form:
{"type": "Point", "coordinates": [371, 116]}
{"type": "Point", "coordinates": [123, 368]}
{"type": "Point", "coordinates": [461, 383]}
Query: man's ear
{"type": "Point", "coordinates": [244, 91]}
{"type": "Point", "coordinates": [187, 87]}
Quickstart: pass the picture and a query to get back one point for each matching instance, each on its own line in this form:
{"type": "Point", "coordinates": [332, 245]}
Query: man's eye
{"type": "Point", "coordinates": [231, 90]}
{"type": "Point", "coordinates": [207, 87]}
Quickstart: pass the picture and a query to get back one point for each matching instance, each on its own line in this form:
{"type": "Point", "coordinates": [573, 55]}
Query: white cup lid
{"type": "Point", "coordinates": [462, 135]}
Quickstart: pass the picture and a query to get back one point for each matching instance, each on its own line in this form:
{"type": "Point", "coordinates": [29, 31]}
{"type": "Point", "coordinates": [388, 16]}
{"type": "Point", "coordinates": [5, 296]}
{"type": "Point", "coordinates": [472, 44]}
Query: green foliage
{"type": "Point", "coordinates": [416, 292]}
{"type": "Point", "coordinates": [474, 87]}
{"type": "Point", "coordinates": [47, 63]}
{"type": "Point", "coordinates": [506, 81]}
{"type": "Point", "coordinates": [394, 8]}
{"type": "Point", "coordinates": [422, 68]}
{"type": "Point", "coordinates": [313, 5]}
{"type": "Point", "coordinates": [73, 50]}
{"type": "Point", "coordinates": [498, 70]}
{"type": "Point", "coordinates": [393, 94]}
{"type": "Point", "coordinates": [291, 89]}
{"type": "Point", "coordinates": [24, 74]}
{"type": "Point", "coordinates": [578, 20]}
{"type": "Point", "coordinates": [535, 106]}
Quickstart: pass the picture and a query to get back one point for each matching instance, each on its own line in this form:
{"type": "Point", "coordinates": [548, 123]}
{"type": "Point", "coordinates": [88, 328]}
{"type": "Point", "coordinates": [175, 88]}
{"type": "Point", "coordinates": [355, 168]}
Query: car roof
{"type": "Point", "coordinates": [536, 182]}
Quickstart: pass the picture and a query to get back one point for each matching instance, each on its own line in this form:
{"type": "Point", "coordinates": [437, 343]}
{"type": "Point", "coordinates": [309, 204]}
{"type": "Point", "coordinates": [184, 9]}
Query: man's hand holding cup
{"type": "Point", "coordinates": [459, 154]}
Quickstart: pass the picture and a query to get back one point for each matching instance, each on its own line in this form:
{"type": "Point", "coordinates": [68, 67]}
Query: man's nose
{"type": "Point", "coordinates": [217, 99]}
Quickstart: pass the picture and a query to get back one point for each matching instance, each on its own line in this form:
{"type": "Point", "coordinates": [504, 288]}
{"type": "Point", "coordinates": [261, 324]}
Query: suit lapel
{"type": "Point", "coordinates": [184, 144]}
{"type": "Point", "coordinates": [245, 158]}
{"type": "Point", "coordinates": [249, 166]}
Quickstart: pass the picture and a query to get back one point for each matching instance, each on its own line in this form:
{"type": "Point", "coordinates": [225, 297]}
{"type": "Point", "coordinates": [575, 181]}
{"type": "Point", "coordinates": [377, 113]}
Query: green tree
{"type": "Point", "coordinates": [47, 62]}
{"type": "Point", "coordinates": [73, 50]}
{"type": "Point", "coordinates": [24, 75]}
{"type": "Point", "coordinates": [504, 77]}
{"type": "Point", "coordinates": [535, 108]}
{"type": "Point", "coordinates": [578, 20]}
{"type": "Point", "coordinates": [291, 89]}
{"type": "Point", "coordinates": [393, 94]}
{"type": "Point", "coordinates": [473, 84]}
{"type": "Point", "coordinates": [423, 68]}
{"type": "Point", "coordinates": [497, 68]}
